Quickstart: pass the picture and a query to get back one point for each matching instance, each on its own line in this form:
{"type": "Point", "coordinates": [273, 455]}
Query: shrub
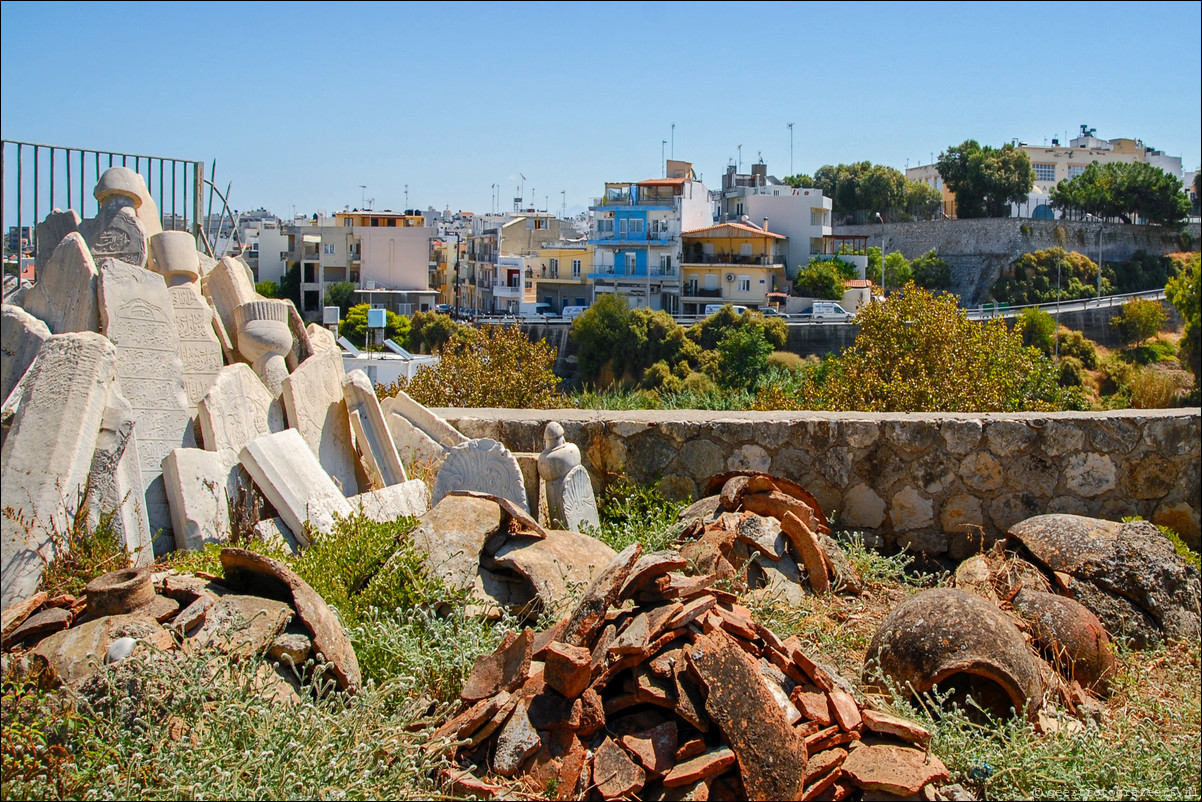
{"type": "Point", "coordinates": [602, 333]}
{"type": "Point", "coordinates": [743, 357]}
{"type": "Point", "coordinates": [631, 513]}
{"type": "Point", "coordinates": [822, 278]}
{"type": "Point", "coordinates": [1072, 372]}
{"type": "Point", "coordinates": [1038, 329]}
{"type": "Point", "coordinates": [493, 366]}
{"type": "Point", "coordinates": [1075, 344]}
{"type": "Point", "coordinates": [698, 383]}
{"type": "Point", "coordinates": [1152, 389]}
{"type": "Point", "coordinates": [931, 272]}
{"type": "Point", "coordinates": [1033, 278]}
{"type": "Point", "coordinates": [1139, 320]}
{"type": "Point", "coordinates": [339, 294]}
{"type": "Point", "coordinates": [1117, 373]}
{"type": "Point", "coordinates": [354, 327]}
{"type": "Point", "coordinates": [786, 360]}
{"type": "Point", "coordinates": [430, 331]}
{"type": "Point", "coordinates": [1185, 294]}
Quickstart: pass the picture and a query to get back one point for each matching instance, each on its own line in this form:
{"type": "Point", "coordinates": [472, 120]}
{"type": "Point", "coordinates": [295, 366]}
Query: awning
{"type": "Point", "coordinates": [312, 238]}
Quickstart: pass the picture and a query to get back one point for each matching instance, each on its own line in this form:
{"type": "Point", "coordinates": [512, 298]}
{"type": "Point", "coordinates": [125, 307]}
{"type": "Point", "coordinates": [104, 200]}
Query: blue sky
{"type": "Point", "coordinates": [301, 103]}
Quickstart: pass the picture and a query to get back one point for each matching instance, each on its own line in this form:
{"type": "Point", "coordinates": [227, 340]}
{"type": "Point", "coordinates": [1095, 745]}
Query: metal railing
{"type": "Point", "coordinates": [53, 176]}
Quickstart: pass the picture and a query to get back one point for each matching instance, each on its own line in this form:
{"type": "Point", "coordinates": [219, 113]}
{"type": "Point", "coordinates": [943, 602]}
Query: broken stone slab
{"type": "Point", "coordinates": [577, 501]}
{"type": "Point", "coordinates": [762, 533]}
{"type": "Point", "coordinates": [228, 285]}
{"type": "Point", "coordinates": [242, 626]}
{"type": "Point", "coordinates": [371, 432]}
{"type": "Point", "coordinates": [433, 426]}
{"type": "Point", "coordinates": [174, 256]}
{"type": "Point", "coordinates": [772, 757]}
{"type": "Point", "coordinates": [290, 477]}
{"type": "Point", "coordinates": [409, 499]}
{"type": "Point", "coordinates": [1127, 574]}
{"type": "Point", "coordinates": [48, 452]}
{"type": "Point", "coordinates": [958, 640]}
{"type": "Point", "coordinates": [516, 742]}
{"type": "Point", "coordinates": [321, 339]}
{"type": "Point", "coordinates": [302, 347]}
{"type": "Point", "coordinates": [452, 536]}
{"type": "Point", "coordinates": [482, 465]}
{"type": "Point", "coordinates": [74, 654]}
{"type": "Point", "coordinates": [615, 775]}
{"type": "Point", "coordinates": [899, 770]}
{"type": "Point", "coordinates": [65, 295]}
{"type": "Point", "coordinates": [555, 564]}
{"type": "Point", "coordinates": [41, 624]}
{"type": "Point", "coordinates": [115, 480]}
{"type": "Point", "coordinates": [16, 614]}
{"type": "Point", "coordinates": [50, 232]}
{"type": "Point", "coordinates": [198, 488]}
{"type": "Point", "coordinates": [237, 409]}
{"type": "Point", "coordinates": [137, 315]}
{"type": "Point", "coordinates": [414, 447]}
{"type": "Point", "coordinates": [316, 408]}
{"type": "Point", "coordinates": [257, 573]}
{"type": "Point", "coordinates": [21, 335]}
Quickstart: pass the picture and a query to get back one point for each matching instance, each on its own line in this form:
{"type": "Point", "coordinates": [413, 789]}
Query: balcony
{"type": "Point", "coordinates": [660, 237]}
{"type": "Point", "coordinates": [609, 271]}
{"type": "Point", "coordinates": [732, 259]}
{"type": "Point", "coordinates": [641, 201]}
{"type": "Point", "coordinates": [694, 291]}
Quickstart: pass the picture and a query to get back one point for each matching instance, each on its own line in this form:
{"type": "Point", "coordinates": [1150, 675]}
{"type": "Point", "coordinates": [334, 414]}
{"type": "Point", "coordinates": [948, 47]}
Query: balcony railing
{"type": "Point", "coordinates": [693, 291]}
{"type": "Point", "coordinates": [732, 259]}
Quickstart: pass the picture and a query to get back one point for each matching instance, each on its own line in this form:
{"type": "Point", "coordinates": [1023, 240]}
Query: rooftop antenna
{"type": "Point", "coordinates": [362, 195]}
{"type": "Point", "coordinates": [790, 148]}
{"type": "Point", "coordinates": [406, 196]}
{"type": "Point", "coordinates": [673, 151]}
{"type": "Point", "coordinates": [522, 189]}
{"type": "Point", "coordinates": [740, 149]}
{"type": "Point", "coordinates": [563, 203]}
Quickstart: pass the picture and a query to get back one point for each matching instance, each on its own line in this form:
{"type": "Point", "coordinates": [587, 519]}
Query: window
{"type": "Point", "coordinates": [1044, 172]}
{"type": "Point", "coordinates": [327, 248]}
{"type": "Point", "coordinates": [554, 267]}
{"type": "Point", "coordinates": [665, 262]}
{"type": "Point", "coordinates": [711, 281]}
{"type": "Point", "coordinates": [542, 222]}
{"type": "Point", "coordinates": [744, 283]}
{"type": "Point", "coordinates": [348, 222]}
{"type": "Point", "coordinates": [623, 224]}
{"type": "Point", "coordinates": [605, 225]}
{"type": "Point", "coordinates": [1075, 170]}
{"type": "Point", "coordinates": [575, 268]}
{"type": "Point", "coordinates": [636, 226]}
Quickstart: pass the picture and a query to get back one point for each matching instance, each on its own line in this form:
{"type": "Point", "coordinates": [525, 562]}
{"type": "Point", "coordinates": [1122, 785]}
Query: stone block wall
{"type": "Point", "coordinates": [924, 479]}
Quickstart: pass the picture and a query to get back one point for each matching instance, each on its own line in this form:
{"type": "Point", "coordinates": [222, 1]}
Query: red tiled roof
{"type": "Point", "coordinates": [857, 283]}
{"type": "Point", "coordinates": [753, 230]}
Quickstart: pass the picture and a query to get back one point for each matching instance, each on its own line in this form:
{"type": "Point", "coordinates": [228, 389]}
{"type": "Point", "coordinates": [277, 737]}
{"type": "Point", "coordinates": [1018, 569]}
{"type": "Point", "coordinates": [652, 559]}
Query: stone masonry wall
{"type": "Point", "coordinates": [919, 479]}
{"type": "Point", "coordinates": [979, 250]}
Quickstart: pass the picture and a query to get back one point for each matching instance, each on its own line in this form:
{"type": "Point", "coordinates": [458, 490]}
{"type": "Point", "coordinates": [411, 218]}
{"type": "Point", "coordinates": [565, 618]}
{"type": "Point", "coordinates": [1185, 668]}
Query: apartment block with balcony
{"type": "Point", "coordinates": [735, 263]}
{"type": "Point", "coordinates": [562, 278]}
{"type": "Point", "coordinates": [636, 236]}
{"type": "Point", "coordinates": [759, 199]}
{"type": "Point", "coordinates": [503, 253]}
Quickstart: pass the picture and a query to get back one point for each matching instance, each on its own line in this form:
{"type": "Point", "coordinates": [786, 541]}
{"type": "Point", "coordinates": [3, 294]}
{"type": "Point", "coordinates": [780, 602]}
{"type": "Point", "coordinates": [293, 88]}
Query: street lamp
{"type": "Point", "coordinates": [881, 220]}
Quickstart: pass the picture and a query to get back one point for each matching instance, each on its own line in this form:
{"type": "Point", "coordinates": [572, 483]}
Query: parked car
{"type": "Point", "coordinates": [768, 311]}
{"type": "Point", "coordinates": [712, 308]}
{"type": "Point", "coordinates": [443, 309]}
{"type": "Point", "coordinates": [829, 310]}
{"type": "Point", "coordinates": [573, 312]}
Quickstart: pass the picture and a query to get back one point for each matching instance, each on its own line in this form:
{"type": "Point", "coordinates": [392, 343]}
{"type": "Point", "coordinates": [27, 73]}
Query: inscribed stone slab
{"type": "Point", "coordinates": [579, 503]}
{"type": "Point", "coordinates": [413, 446]}
{"type": "Point", "coordinates": [316, 408]}
{"type": "Point", "coordinates": [197, 483]}
{"type": "Point", "coordinates": [371, 432]}
{"type": "Point", "coordinates": [136, 314]}
{"type": "Point", "coordinates": [228, 287]}
{"type": "Point", "coordinates": [21, 335]}
{"type": "Point", "coordinates": [115, 480]}
{"type": "Point", "coordinates": [238, 409]}
{"type": "Point", "coordinates": [436, 428]}
{"type": "Point", "coordinates": [48, 452]}
{"type": "Point", "coordinates": [290, 477]}
{"type": "Point", "coordinates": [199, 348]}
{"type": "Point", "coordinates": [50, 233]}
{"type": "Point", "coordinates": [482, 465]}
{"type": "Point", "coordinates": [321, 339]}
{"type": "Point", "coordinates": [116, 233]}
{"type": "Point", "coordinates": [64, 297]}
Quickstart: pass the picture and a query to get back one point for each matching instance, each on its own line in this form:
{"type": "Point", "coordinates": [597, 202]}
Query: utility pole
{"type": "Point", "coordinates": [663, 143]}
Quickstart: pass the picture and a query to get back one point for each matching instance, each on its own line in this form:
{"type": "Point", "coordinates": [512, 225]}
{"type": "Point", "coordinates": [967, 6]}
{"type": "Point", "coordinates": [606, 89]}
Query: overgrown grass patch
{"type": "Point", "coordinates": [632, 513]}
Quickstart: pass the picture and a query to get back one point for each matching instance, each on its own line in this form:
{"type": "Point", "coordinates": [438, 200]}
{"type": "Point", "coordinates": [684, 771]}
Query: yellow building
{"type": "Point", "coordinates": [562, 275]}
{"type": "Point", "coordinates": [733, 263]}
{"type": "Point", "coordinates": [370, 219]}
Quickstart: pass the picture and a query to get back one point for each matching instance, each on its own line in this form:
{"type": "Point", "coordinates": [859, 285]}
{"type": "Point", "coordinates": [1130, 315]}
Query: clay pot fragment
{"type": "Point", "coordinates": [1069, 636]}
{"type": "Point", "coordinates": [962, 643]}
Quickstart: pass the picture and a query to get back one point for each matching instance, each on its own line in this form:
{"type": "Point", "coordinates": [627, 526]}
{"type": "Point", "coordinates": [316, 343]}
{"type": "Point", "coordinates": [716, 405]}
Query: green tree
{"type": "Point", "coordinates": [864, 186]}
{"type": "Point", "coordinates": [1139, 320]}
{"type": "Point", "coordinates": [492, 366]}
{"type": "Point", "coordinates": [268, 289]}
{"type": "Point", "coordinates": [709, 332]}
{"type": "Point", "coordinates": [800, 181]}
{"type": "Point", "coordinates": [931, 272]}
{"type": "Point", "coordinates": [290, 284]}
{"type": "Point", "coordinates": [354, 327]}
{"type": "Point", "coordinates": [1033, 278]}
{"type": "Point", "coordinates": [430, 331]}
{"type": "Point", "coordinates": [823, 278]}
{"type": "Point", "coordinates": [897, 269]}
{"type": "Point", "coordinates": [602, 333]}
{"type": "Point", "coordinates": [340, 294]}
{"type": "Point", "coordinates": [743, 357]}
{"type": "Point", "coordinates": [921, 353]}
{"type": "Point", "coordinates": [986, 180]}
{"type": "Point", "coordinates": [1185, 294]}
{"type": "Point", "coordinates": [1038, 329]}
{"type": "Point", "coordinates": [1125, 191]}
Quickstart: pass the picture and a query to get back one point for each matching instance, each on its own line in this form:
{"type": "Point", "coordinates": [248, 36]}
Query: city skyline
{"type": "Point", "coordinates": [319, 108]}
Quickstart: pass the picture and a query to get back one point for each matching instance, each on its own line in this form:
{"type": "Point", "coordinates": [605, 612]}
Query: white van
{"type": "Point", "coordinates": [573, 312]}
{"type": "Point", "coordinates": [829, 310]}
{"type": "Point", "coordinates": [712, 308]}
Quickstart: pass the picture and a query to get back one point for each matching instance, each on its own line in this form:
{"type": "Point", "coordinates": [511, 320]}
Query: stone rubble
{"type": "Point", "coordinates": [659, 686]}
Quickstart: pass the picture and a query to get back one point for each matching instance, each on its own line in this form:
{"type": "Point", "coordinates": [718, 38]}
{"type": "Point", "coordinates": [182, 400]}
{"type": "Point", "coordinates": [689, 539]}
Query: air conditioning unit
{"type": "Point", "coordinates": [730, 276]}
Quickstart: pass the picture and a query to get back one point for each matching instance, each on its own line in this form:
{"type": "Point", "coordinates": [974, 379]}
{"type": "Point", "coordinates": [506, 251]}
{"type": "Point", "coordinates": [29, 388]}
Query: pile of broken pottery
{"type": "Point", "coordinates": [769, 535]}
{"type": "Point", "coordinates": [261, 607]}
{"type": "Point", "coordinates": [660, 686]}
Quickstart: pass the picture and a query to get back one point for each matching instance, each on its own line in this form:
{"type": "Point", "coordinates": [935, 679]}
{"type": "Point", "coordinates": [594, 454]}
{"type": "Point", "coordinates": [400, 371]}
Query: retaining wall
{"type": "Point", "coordinates": [919, 479]}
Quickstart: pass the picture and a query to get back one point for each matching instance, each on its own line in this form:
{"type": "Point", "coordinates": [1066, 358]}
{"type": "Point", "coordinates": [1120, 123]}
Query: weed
{"type": "Point", "coordinates": [632, 513]}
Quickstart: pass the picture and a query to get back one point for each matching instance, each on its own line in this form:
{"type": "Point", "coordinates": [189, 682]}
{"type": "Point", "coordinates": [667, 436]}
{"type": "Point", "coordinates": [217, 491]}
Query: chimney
{"type": "Point", "coordinates": [765, 225]}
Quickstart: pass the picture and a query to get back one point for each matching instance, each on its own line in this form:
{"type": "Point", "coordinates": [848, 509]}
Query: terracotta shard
{"type": "Point", "coordinates": [805, 541]}
{"type": "Point", "coordinates": [899, 770]}
{"type": "Point", "coordinates": [592, 713]}
{"type": "Point", "coordinates": [655, 749]}
{"type": "Point", "coordinates": [634, 639]}
{"type": "Point", "coordinates": [568, 669]}
{"type": "Point", "coordinates": [786, 486]}
{"type": "Point", "coordinates": [813, 705]}
{"type": "Point", "coordinates": [658, 617]}
{"type": "Point", "coordinates": [823, 764]}
{"type": "Point", "coordinates": [732, 493]}
{"type": "Point", "coordinates": [470, 720]}
{"type": "Point", "coordinates": [15, 615]}
{"type": "Point", "coordinates": [678, 586]}
{"type": "Point", "coordinates": [772, 758]}
{"type": "Point", "coordinates": [649, 568]}
{"type": "Point", "coordinates": [892, 725]}
{"type": "Point", "coordinates": [550, 711]}
{"type": "Point", "coordinates": [614, 773]}
{"type": "Point", "coordinates": [652, 689]}
{"type": "Point", "coordinates": [505, 669]}
{"type": "Point", "coordinates": [690, 748]}
{"type": "Point", "coordinates": [845, 710]}
{"type": "Point", "coordinates": [704, 766]}
{"type": "Point", "coordinates": [589, 614]}
{"type": "Point", "coordinates": [41, 624]}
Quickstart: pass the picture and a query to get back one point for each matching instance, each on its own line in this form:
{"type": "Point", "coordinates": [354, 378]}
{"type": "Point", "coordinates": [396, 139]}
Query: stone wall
{"type": "Point", "coordinates": [979, 250]}
{"type": "Point", "coordinates": [925, 479]}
